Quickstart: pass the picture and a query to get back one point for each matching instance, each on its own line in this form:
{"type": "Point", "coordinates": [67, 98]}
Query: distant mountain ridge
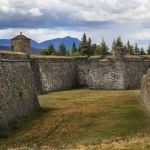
{"type": "Point", "coordinates": [67, 41]}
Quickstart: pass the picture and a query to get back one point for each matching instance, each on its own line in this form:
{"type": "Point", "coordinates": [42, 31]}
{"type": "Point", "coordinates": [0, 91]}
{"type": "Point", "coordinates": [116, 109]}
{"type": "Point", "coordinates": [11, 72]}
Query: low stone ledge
{"type": "Point", "coordinates": [59, 59]}
{"type": "Point", "coordinates": [13, 56]}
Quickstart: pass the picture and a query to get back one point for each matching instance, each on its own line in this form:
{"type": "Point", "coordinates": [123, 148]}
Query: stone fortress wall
{"type": "Point", "coordinates": [18, 95]}
{"type": "Point", "coordinates": [22, 77]}
{"type": "Point", "coordinates": [145, 90]}
{"type": "Point", "coordinates": [55, 74]}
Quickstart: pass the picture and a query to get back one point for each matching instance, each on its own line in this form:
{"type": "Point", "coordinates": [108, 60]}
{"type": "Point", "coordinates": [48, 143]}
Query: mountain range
{"type": "Point", "coordinates": [37, 47]}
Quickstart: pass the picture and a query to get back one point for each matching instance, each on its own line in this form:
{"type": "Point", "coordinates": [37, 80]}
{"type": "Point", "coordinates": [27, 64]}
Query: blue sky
{"type": "Point", "coordinates": [47, 19]}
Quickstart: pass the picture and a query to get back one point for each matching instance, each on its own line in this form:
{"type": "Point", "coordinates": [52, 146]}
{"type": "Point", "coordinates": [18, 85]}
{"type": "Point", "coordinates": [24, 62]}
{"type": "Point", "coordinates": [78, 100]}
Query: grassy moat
{"type": "Point", "coordinates": [84, 120]}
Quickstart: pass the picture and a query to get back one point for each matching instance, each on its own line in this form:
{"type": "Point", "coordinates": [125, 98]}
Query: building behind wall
{"type": "Point", "coordinates": [21, 43]}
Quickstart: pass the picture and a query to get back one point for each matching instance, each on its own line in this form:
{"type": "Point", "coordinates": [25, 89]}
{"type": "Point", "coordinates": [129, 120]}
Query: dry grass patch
{"type": "Point", "coordinates": [93, 119]}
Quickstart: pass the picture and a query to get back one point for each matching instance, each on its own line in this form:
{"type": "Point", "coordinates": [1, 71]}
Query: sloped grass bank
{"type": "Point", "coordinates": [92, 118]}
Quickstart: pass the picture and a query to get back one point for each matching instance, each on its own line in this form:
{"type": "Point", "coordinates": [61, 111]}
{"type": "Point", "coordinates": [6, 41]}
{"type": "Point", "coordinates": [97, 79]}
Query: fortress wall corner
{"type": "Point", "coordinates": [18, 95]}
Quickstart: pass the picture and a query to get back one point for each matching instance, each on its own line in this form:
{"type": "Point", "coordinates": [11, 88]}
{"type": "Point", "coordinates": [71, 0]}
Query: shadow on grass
{"type": "Point", "coordinates": [19, 124]}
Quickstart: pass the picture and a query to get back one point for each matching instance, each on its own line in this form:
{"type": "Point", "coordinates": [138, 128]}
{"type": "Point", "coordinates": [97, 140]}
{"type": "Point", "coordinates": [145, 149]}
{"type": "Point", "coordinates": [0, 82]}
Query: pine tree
{"type": "Point", "coordinates": [49, 51]}
{"type": "Point", "coordinates": [125, 49]}
{"type": "Point", "coordinates": [89, 46]}
{"type": "Point", "coordinates": [148, 51]}
{"type": "Point", "coordinates": [98, 50]}
{"type": "Point", "coordinates": [136, 49]}
{"type": "Point", "coordinates": [114, 45]}
{"type": "Point", "coordinates": [62, 50]}
{"type": "Point", "coordinates": [103, 48]}
{"type": "Point", "coordinates": [84, 40]}
{"type": "Point", "coordinates": [119, 42]}
{"type": "Point", "coordinates": [83, 45]}
{"type": "Point", "coordinates": [94, 47]}
{"type": "Point", "coordinates": [44, 52]}
{"type": "Point", "coordinates": [74, 51]}
{"type": "Point", "coordinates": [130, 48]}
{"type": "Point", "coordinates": [74, 48]}
{"type": "Point", "coordinates": [142, 51]}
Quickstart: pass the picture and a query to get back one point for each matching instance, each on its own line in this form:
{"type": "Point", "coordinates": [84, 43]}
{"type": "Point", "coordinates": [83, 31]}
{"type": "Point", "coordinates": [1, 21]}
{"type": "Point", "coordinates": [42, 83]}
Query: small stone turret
{"type": "Point", "coordinates": [119, 53]}
{"type": "Point", "coordinates": [21, 43]}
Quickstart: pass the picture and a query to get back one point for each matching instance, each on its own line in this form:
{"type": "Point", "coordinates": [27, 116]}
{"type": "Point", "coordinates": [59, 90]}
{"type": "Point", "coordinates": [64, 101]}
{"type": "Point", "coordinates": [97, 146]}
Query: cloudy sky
{"type": "Point", "coordinates": [47, 19]}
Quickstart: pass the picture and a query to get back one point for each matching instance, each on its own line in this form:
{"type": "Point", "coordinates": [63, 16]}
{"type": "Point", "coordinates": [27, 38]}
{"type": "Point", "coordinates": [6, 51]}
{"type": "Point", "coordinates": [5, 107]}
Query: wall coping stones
{"type": "Point", "coordinates": [7, 56]}
{"type": "Point", "coordinates": [17, 56]}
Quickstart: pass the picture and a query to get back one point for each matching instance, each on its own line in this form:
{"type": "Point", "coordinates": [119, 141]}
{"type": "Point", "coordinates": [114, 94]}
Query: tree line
{"type": "Point", "coordinates": [87, 48]}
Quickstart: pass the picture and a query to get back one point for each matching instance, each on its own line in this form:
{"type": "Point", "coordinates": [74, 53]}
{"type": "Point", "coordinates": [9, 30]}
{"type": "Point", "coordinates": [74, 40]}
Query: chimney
{"type": "Point", "coordinates": [20, 33]}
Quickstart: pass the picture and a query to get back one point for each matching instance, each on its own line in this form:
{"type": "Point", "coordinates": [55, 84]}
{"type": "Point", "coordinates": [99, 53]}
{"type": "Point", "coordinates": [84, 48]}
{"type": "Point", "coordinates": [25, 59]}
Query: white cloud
{"type": "Point", "coordinates": [141, 35]}
{"type": "Point", "coordinates": [87, 10]}
{"type": "Point", "coordinates": [35, 12]}
{"type": "Point", "coordinates": [45, 19]}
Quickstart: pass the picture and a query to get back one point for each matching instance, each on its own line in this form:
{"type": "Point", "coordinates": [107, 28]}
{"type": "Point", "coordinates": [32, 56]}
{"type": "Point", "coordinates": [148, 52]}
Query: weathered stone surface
{"type": "Point", "coordinates": [134, 71]}
{"type": "Point", "coordinates": [106, 75]}
{"type": "Point", "coordinates": [96, 72]}
{"type": "Point", "coordinates": [18, 95]}
{"type": "Point", "coordinates": [145, 90]}
{"type": "Point", "coordinates": [19, 75]}
{"type": "Point", "coordinates": [21, 44]}
{"type": "Point", "coordinates": [54, 74]}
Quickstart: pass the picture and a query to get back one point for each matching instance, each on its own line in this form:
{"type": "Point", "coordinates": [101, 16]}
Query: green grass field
{"type": "Point", "coordinates": [85, 120]}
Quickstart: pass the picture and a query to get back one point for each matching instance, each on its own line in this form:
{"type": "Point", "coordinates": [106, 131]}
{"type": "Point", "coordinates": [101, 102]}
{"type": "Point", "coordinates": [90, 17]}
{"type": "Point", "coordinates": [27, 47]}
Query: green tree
{"type": "Point", "coordinates": [119, 42]}
{"type": "Point", "coordinates": [125, 49]}
{"type": "Point", "coordinates": [84, 40]}
{"type": "Point", "coordinates": [142, 52]}
{"type": "Point", "coordinates": [98, 50]}
{"type": "Point", "coordinates": [44, 52]}
{"type": "Point", "coordinates": [89, 46]}
{"type": "Point", "coordinates": [148, 50]}
{"type": "Point", "coordinates": [130, 48]}
{"type": "Point", "coordinates": [49, 51]}
{"type": "Point", "coordinates": [84, 50]}
{"type": "Point", "coordinates": [94, 47]}
{"type": "Point", "coordinates": [136, 48]}
{"type": "Point", "coordinates": [103, 48]}
{"type": "Point", "coordinates": [62, 50]}
{"type": "Point", "coordinates": [114, 45]}
{"type": "Point", "coordinates": [74, 51]}
{"type": "Point", "coordinates": [74, 48]}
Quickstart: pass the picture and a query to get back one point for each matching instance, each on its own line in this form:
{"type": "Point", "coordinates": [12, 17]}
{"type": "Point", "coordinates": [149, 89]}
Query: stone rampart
{"type": "Point", "coordinates": [21, 77]}
{"type": "Point", "coordinates": [18, 95]}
